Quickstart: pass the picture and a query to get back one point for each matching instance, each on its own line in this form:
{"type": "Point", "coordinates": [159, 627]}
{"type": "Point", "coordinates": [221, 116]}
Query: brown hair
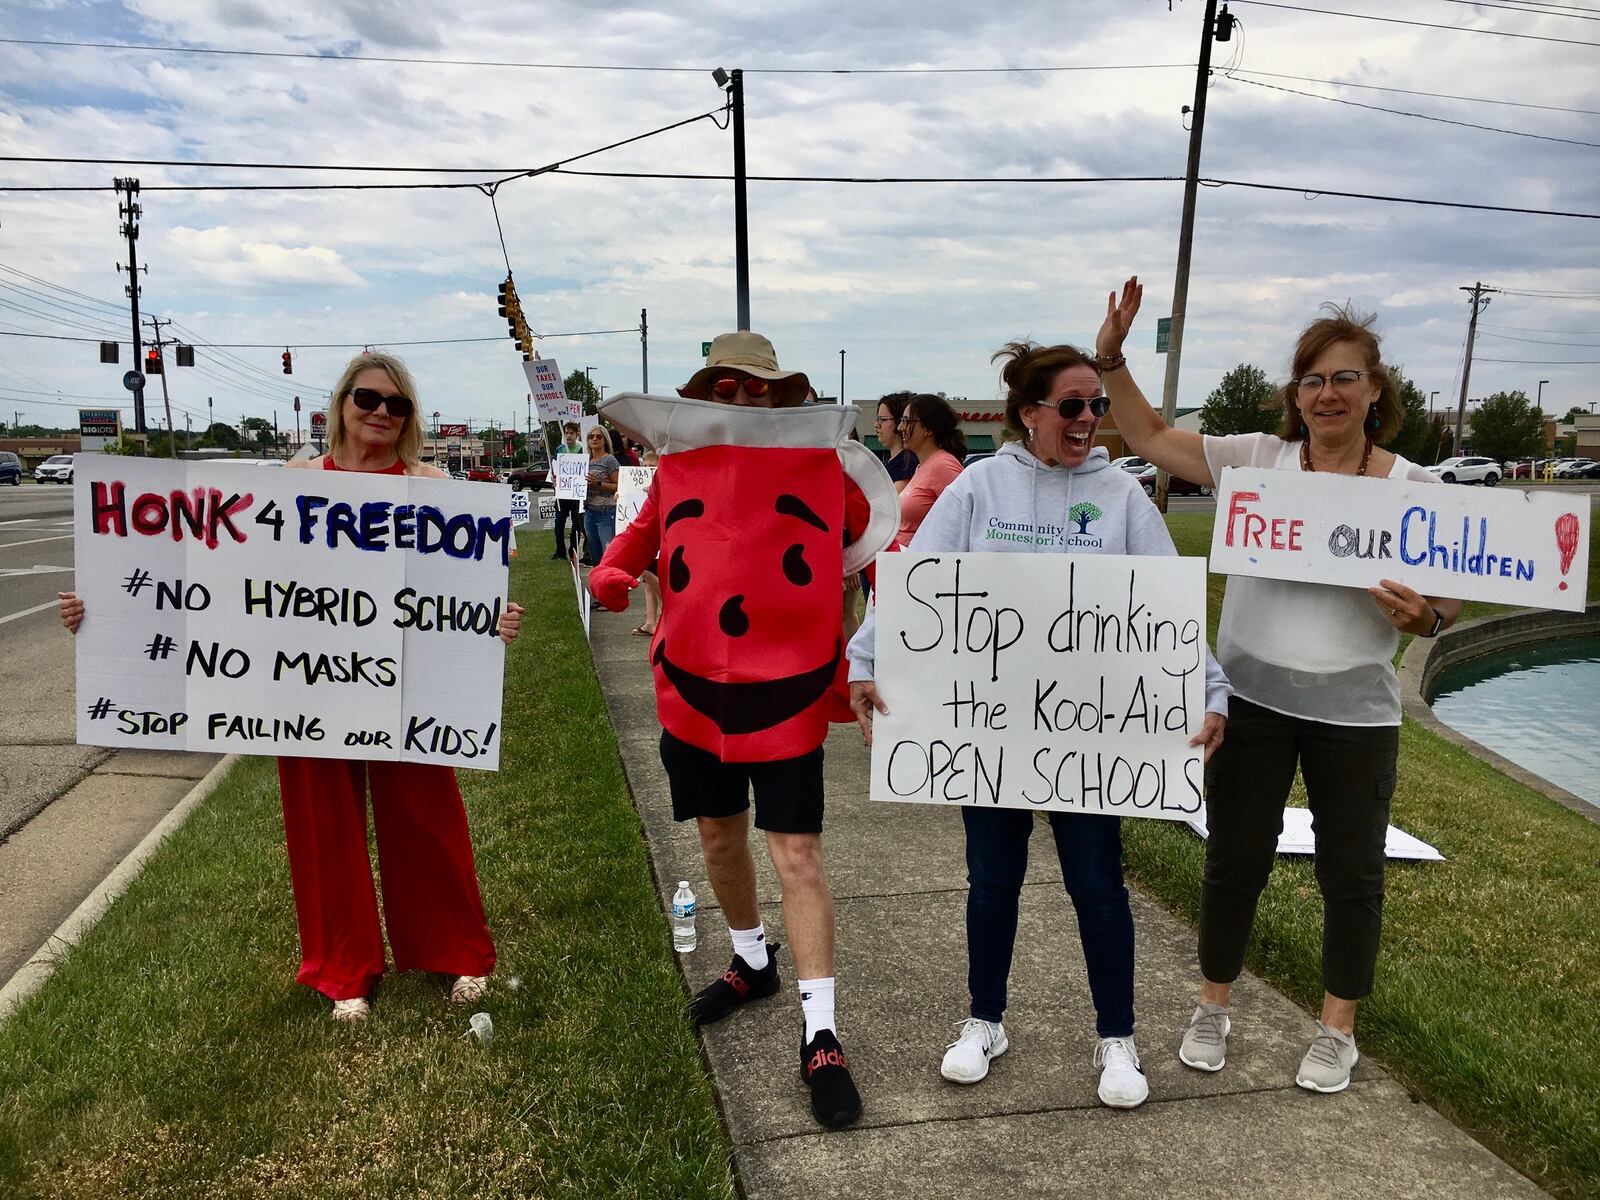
{"type": "Point", "coordinates": [1343, 325]}
{"type": "Point", "coordinates": [935, 415]}
{"type": "Point", "coordinates": [1030, 372]}
{"type": "Point", "coordinates": [409, 444]}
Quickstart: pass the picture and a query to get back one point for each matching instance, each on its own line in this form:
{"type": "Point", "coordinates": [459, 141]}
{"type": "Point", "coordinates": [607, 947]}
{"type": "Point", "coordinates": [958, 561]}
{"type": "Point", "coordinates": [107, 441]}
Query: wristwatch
{"type": "Point", "coordinates": [1438, 623]}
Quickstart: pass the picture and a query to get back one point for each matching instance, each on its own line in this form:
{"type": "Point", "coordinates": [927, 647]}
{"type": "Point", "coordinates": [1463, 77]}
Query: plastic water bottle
{"type": "Point", "coordinates": [683, 935]}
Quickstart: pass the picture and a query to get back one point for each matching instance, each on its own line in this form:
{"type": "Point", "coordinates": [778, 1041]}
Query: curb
{"type": "Point", "coordinates": [1424, 660]}
{"type": "Point", "coordinates": [36, 972]}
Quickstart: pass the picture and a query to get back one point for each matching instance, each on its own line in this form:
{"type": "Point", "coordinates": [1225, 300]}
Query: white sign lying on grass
{"type": "Point", "coordinates": [1051, 681]}
{"type": "Point", "coordinates": [1297, 838]}
{"type": "Point", "coordinates": [1502, 545]}
{"type": "Point", "coordinates": [326, 614]}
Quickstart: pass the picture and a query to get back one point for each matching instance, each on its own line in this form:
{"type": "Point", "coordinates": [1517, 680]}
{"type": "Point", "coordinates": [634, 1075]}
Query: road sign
{"type": "Point", "coordinates": [452, 431]}
{"type": "Point", "coordinates": [133, 381]}
{"type": "Point", "coordinates": [705, 349]}
{"type": "Point", "coordinates": [99, 422]}
{"type": "Point", "coordinates": [1163, 333]}
{"type": "Point", "coordinates": [319, 421]}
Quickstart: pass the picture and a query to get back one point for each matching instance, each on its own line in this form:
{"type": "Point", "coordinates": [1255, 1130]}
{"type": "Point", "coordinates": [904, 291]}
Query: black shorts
{"type": "Point", "coordinates": [788, 791]}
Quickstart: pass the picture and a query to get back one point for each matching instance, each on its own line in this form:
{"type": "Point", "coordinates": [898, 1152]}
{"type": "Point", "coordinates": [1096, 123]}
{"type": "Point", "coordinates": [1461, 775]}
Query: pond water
{"type": "Point", "coordinates": [1538, 705]}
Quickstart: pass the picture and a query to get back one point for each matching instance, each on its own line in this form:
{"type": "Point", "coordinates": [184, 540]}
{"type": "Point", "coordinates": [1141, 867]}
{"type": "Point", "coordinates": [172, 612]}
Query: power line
{"type": "Point", "coordinates": [1531, 329]}
{"type": "Point", "coordinates": [550, 66]}
{"type": "Point", "coordinates": [1506, 337]}
{"type": "Point", "coordinates": [1543, 137]}
{"type": "Point", "coordinates": [1372, 87]}
{"type": "Point", "coordinates": [1517, 8]}
{"type": "Point", "coordinates": [1538, 295]}
{"type": "Point", "coordinates": [1546, 362]}
{"type": "Point", "coordinates": [1330, 12]}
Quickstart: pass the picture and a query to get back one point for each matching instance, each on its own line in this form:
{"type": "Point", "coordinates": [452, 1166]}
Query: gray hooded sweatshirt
{"type": "Point", "coordinates": [1015, 504]}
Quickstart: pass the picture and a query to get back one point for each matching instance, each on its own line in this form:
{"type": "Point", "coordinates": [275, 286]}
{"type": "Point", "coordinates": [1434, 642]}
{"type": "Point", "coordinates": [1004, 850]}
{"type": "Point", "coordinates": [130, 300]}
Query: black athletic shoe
{"type": "Point", "coordinates": [737, 985]}
{"type": "Point", "coordinates": [834, 1099]}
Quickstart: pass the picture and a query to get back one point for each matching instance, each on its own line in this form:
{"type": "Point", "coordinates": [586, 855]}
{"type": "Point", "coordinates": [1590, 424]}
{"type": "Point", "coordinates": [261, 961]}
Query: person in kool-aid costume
{"type": "Point", "coordinates": [758, 510]}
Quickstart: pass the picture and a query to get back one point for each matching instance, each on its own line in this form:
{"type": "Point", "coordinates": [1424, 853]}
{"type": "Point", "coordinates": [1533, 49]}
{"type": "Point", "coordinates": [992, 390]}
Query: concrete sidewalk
{"type": "Point", "coordinates": [1034, 1127]}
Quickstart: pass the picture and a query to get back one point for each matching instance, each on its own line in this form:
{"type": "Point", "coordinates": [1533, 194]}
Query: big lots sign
{"type": "Point", "coordinates": [980, 416]}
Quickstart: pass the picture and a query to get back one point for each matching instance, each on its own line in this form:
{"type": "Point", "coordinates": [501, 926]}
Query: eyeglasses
{"type": "Point", "coordinates": [881, 420]}
{"type": "Point", "coordinates": [1069, 408]}
{"type": "Point", "coordinates": [367, 400]}
{"type": "Point", "coordinates": [727, 386]}
{"type": "Point", "coordinates": [1310, 385]}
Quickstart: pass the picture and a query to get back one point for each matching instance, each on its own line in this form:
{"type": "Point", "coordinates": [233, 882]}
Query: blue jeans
{"type": "Point", "coordinates": [1090, 849]}
{"type": "Point", "coordinates": [599, 527]}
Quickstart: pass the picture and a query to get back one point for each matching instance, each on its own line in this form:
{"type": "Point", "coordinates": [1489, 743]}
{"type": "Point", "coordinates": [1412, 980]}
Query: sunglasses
{"type": "Point", "coordinates": [727, 387]}
{"type": "Point", "coordinates": [367, 400]}
{"type": "Point", "coordinates": [1069, 408]}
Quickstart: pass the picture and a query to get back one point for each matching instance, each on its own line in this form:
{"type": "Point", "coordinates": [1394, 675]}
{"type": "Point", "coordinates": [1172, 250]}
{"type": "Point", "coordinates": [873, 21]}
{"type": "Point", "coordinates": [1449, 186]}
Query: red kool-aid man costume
{"type": "Point", "coordinates": [431, 904]}
{"type": "Point", "coordinates": [756, 515]}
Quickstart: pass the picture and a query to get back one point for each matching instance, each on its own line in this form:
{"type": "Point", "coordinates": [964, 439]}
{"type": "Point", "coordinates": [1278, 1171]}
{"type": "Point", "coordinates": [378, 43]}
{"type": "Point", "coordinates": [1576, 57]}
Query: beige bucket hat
{"type": "Point", "coordinates": [753, 354]}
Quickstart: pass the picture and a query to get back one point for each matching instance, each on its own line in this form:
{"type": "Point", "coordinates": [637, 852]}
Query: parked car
{"type": "Point", "coordinates": [1592, 471]}
{"type": "Point", "coordinates": [531, 477]}
{"type": "Point", "coordinates": [1468, 469]}
{"type": "Point", "coordinates": [55, 469]}
{"type": "Point", "coordinates": [976, 456]}
{"type": "Point", "coordinates": [1130, 462]}
{"type": "Point", "coordinates": [1176, 486]}
{"type": "Point", "coordinates": [10, 468]}
{"type": "Point", "coordinates": [482, 475]}
{"type": "Point", "coordinates": [1573, 468]}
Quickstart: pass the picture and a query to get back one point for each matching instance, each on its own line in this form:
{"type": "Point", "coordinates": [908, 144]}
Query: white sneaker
{"type": "Point", "coordinates": [1205, 1042]}
{"type": "Point", "coordinates": [1326, 1066]}
{"type": "Point", "coordinates": [967, 1060]}
{"type": "Point", "coordinates": [351, 1010]}
{"type": "Point", "coordinates": [1122, 1081]}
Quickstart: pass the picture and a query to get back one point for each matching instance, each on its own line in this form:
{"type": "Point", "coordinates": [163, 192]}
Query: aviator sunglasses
{"type": "Point", "coordinates": [727, 387]}
{"type": "Point", "coordinates": [1069, 408]}
{"type": "Point", "coordinates": [368, 399]}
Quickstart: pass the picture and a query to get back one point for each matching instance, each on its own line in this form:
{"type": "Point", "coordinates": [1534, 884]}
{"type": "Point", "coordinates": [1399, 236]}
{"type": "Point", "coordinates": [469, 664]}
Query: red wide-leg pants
{"type": "Point", "coordinates": [431, 904]}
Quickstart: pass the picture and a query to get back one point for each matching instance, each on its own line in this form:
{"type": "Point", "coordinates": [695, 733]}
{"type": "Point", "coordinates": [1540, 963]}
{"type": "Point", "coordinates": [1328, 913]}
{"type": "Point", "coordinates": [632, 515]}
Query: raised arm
{"type": "Point", "coordinates": [1175, 451]}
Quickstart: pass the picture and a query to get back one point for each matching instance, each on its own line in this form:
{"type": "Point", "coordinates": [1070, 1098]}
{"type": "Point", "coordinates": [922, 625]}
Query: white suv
{"type": "Point", "coordinates": [1468, 470]}
{"type": "Point", "coordinates": [55, 469]}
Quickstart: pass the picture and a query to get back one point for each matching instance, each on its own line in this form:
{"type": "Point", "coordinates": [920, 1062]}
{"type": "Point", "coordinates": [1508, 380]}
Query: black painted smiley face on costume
{"type": "Point", "coordinates": [751, 651]}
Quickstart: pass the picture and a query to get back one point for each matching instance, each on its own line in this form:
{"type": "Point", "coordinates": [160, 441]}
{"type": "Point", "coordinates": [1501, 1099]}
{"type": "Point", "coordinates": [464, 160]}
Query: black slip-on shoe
{"type": "Point", "coordinates": [834, 1100]}
{"type": "Point", "coordinates": [739, 984]}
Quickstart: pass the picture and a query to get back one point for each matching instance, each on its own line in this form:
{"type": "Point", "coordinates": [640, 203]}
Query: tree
{"type": "Point", "coordinates": [1508, 426]}
{"type": "Point", "coordinates": [257, 430]}
{"type": "Point", "coordinates": [1084, 513]}
{"type": "Point", "coordinates": [580, 387]}
{"type": "Point", "coordinates": [1244, 402]}
{"type": "Point", "coordinates": [221, 435]}
{"type": "Point", "coordinates": [1417, 439]}
{"type": "Point", "coordinates": [1573, 413]}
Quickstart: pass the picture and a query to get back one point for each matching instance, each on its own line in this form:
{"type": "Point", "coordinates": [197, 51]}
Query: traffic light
{"type": "Point", "coordinates": [288, 364]}
{"type": "Point", "coordinates": [516, 325]}
{"type": "Point", "coordinates": [185, 356]}
{"type": "Point", "coordinates": [508, 297]}
{"type": "Point", "coordinates": [152, 361]}
{"type": "Point", "coordinates": [108, 352]}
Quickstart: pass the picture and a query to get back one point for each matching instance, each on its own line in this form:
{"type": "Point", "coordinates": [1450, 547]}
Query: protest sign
{"type": "Point", "coordinates": [572, 477]}
{"type": "Point", "coordinates": [582, 594]}
{"type": "Point", "coordinates": [521, 508]}
{"type": "Point", "coordinates": [1504, 546]}
{"type": "Point", "coordinates": [1057, 682]}
{"type": "Point", "coordinates": [633, 485]}
{"type": "Point", "coordinates": [547, 512]}
{"type": "Point", "coordinates": [314, 613]}
{"type": "Point", "coordinates": [549, 393]}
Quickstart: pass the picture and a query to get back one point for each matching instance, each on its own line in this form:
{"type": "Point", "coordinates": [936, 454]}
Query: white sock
{"type": "Point", "coordinates": [751, 945]}
{"type": "Point", "coordinates": [816, 1001]}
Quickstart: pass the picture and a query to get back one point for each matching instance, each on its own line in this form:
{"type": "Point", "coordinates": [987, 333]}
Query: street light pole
{"type": "Point", "coordinates": [734, 83]}
{"type": "Point", "coordinates": [841, 379]}
{"type": "Point", "coordinates": [1431, 395]}
{"type": "Point", "coordinates": [1539, 403]}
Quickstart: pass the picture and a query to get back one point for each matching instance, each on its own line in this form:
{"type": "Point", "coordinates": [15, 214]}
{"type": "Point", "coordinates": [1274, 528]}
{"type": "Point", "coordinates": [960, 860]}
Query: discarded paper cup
{"type": "Point", "coordinates": [483, 1027]}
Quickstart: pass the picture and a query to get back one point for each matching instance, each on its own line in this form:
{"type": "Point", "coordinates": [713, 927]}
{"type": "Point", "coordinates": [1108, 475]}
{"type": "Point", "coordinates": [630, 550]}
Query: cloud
{"type": "Point", "coordinates": [220, 255]}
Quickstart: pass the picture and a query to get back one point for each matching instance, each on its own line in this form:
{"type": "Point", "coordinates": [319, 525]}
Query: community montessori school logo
{"type": "Point", "coordinates": [1075, 533]}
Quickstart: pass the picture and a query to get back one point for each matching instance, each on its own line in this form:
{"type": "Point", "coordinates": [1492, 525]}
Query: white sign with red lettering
{"type": "Point", "coordinates": [1472, 543]}
{"type": "Point", "coordinates": [322, 614]}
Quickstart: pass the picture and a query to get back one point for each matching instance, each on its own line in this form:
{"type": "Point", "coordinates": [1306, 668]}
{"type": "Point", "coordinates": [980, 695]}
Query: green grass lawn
{"type": "Point", "coordinates": [1486, 1000]}
{"type": "Point", "coordinates": [174, 1055]}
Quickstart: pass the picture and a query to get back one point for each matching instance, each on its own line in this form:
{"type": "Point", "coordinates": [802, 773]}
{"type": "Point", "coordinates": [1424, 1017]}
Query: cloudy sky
{"type": "Point", "coordinates": [918, 282]}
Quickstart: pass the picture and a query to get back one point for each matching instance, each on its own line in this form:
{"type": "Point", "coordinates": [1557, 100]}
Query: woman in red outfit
{"type": "Point", "coordinates": [432, 908]}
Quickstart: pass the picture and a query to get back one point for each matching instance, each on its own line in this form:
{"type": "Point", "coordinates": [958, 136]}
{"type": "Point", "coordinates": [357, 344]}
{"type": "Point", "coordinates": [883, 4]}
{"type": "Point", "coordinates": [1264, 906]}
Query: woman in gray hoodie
{"type": "Point", "coordinates": [1051, 491]}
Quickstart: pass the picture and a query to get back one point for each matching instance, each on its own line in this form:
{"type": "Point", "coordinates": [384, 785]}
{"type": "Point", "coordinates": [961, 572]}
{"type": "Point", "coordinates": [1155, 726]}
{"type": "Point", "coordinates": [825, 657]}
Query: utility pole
{"type": "Point", "coordinates": [734, 82]}
{"type": "Point", "coordinates": [644, 350]}
{"type": "Point", "coordinates": [211, 418]}
{"type": "Point", "coordinates": [156, 323]}
{"type": "Point", "coordinates": [129, 212]}
{"type": "Point", "coordinates": [188, 433]}
{"type": "Point", "coordinates": [1222, 28]}
{"type": "Point", "coordinates": [841, 379]}
{"type": "Point", "coordinates": [1480, 301]}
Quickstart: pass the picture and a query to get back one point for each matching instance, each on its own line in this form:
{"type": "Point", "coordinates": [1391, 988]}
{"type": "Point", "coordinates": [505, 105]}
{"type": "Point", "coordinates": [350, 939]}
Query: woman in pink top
{"type": "Point", "coordinates": [930, 430]}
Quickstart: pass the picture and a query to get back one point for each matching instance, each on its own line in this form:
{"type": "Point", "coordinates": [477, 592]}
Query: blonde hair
{"type": "Point", "coordinates": [409, 444]}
